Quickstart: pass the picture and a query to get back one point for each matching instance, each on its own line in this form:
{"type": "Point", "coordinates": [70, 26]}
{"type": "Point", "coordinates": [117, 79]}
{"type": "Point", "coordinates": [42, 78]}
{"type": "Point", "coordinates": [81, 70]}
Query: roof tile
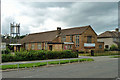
{"type": "Point", "coordinates": [50, 35]}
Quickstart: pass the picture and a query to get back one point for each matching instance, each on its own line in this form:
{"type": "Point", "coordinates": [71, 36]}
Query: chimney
{"type": "Point", "coordinates": [58, 31]}
{"type": "Point", "coordinates": [117, 29]}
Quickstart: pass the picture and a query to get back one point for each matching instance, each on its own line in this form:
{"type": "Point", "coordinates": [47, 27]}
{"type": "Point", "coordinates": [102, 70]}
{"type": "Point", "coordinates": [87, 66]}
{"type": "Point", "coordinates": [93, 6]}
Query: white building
{"type": "Point", "coordinates": [3, 46]}
{"type": "Point", "coordinates": [109, 38]}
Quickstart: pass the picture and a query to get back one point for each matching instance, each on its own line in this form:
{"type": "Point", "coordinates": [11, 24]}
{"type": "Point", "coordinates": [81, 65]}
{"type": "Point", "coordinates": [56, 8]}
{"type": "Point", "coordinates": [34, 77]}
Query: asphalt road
{"type": "Point", "coordinates": [102, 67]}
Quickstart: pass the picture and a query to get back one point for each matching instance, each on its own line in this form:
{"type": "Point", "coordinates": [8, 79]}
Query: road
{"type": "Point", "coordinates": [102, 67]}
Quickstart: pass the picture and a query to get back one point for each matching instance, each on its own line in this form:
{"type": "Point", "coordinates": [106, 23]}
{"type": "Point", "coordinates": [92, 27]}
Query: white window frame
{"type": "Point", "coordinates": [77, 40]}
{"type": "Point", "coordinates": [71, 38]}
{"type": "Point", "coordinates": [45, 46]}
{"type": "Point", "coordinates": [39, 46]}
{"type": "Point", "coordinates": [63, 38]}
{"type": "Point", "coordinates": [32, 46]}
{"type": "Point", "coordinates": [26, 46]}
{"type": "Point", "coordinates": [100, 46]}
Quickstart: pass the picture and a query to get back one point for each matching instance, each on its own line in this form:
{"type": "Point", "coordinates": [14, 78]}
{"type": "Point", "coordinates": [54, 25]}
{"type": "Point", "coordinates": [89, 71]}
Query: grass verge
{"type": "Point", "coordinates": [101, 54]}
{"type": "Point", "coordinates": [115, 57]}
{"type": "Point", "coordinates": [30, 65]}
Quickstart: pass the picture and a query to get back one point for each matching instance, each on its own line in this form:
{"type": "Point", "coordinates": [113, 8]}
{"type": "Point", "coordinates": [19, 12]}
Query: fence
{"type": "Point", "coordinates": [105, 53]}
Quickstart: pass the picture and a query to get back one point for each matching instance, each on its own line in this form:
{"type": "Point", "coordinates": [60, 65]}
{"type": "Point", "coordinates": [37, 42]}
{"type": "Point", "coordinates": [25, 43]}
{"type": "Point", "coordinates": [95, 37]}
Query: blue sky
{"type": "Point", "coordinates": [46, 16]}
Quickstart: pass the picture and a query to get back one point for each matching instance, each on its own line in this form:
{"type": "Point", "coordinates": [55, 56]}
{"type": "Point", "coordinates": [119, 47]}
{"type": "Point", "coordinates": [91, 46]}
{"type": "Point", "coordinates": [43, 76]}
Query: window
{"type": "Point", "coordinates": [26, 46]}
{"type": "Point", "coordinates": [65, 47]}
{"type": "Point", "coordinates": [70, 46]}
{"type": "Point", "coordinates": [106, 46]}
{"type": "Point", "coordinates": [39, 46]}
{"type": "Point", "coordinates": [63, 38]}
{"type": "Point", "coordinates": [45, 46]}
{"type": "Point", "coordinates": [77, 40]}
{"type": "Point", "coordinates": [32, 46]}
{"type": "Point", "coordinates": [115, 39]}
{"type": "Point", "coordinates": [100, 46]}
{"type": "Point", "coordinates": [71, 38]}
{"type": "Point", "coordinates": [89, 39]}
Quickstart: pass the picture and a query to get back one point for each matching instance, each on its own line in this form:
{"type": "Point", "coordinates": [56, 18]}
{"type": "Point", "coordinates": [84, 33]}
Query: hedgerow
{"type": "Point", "coordinates": [38, 55]}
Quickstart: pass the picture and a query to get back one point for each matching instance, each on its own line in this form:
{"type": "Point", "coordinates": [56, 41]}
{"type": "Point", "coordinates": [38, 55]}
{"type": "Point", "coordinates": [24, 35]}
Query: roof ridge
{"type": "Point", "coordinates": [76, 27]}
{"type": "Point", "coordinates": [61, 30]}
{"type": "Point", "coordinates": [42, 32]}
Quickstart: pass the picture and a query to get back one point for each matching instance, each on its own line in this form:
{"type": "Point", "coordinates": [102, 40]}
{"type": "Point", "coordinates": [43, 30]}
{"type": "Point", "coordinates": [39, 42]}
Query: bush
{"type": "Point", "coordinates": [7, 51]}
{"type": "Point", "coordinates": [106, 49]}
{"type": "Point", "coordinates": [119, 46]}
{"type": "Point", "coordinates": [113, 48]}
{"type": "Point", "coordinates": [81, 52]}
{"type": "Point", "coordinates": [38, 55]}
{"type": "Point", "coordinates": [7, 57]}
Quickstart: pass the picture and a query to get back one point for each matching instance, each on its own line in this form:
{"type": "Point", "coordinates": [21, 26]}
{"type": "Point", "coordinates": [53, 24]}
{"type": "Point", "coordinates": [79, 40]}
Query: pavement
{"type": "Point", "coordinates": [102, 67]}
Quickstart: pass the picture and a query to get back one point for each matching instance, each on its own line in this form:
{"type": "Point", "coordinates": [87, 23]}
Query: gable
{"type": "Point", "coordinates": [89, 31]}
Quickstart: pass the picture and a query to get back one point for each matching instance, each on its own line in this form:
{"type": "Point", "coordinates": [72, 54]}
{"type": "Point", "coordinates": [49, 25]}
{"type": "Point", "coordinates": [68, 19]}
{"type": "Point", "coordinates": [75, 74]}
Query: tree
{"type": "Point", "coordinates": [113, 47]}
{"type": "Point", "coordinates": [119, 46]}
{"type": "Point", "coordinates": [22, 36]}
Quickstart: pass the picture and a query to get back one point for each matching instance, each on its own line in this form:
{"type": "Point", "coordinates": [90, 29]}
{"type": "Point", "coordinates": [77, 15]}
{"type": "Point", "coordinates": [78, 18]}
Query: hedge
{"type": "Point", "coordinates": [38, 55]}
{"type": "Point", "coordinates": [7, 51]}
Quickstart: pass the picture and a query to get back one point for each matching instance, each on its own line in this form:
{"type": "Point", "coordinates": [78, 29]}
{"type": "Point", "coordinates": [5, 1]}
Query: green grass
{"type": "Point", "coordinates": [29, 65]}
{"type": "Point", "coordinates": [101, 54]}
{"type": "Point", "coordinates": [3, 67]}
{"type": "Point", "coordinates": [53, 62]}
{"type": "Point", "coordinates": [115, 57]}
{"type": "Point", "coordinates": [64, 61]}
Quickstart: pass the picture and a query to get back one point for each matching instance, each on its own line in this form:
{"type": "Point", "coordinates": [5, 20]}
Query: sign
{"type": "Point", "coordinates": [89, 45]}
{"type": "Point", "coordinates": [15, 44]}
{"type": "Point", "coordinates": [3, 46]}
{"type": "Point", "coordinates": [68, 43]}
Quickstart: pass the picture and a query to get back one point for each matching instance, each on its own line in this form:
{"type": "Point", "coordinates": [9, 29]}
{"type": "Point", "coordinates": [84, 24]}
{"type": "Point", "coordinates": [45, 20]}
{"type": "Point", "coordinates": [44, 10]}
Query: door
{"type": "Point", "coordinates": [50, 47]}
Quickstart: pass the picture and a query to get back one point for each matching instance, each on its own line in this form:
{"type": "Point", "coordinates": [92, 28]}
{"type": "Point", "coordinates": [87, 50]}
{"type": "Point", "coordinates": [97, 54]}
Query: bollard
{"type": "Point", "coordinates": [78, 60]}
{"type": "Point", "coordinates": [18, 66]}
{"type": "Point", "coordinates": [47, 63]}
{"type": "Point", "coordinates": [33, 67]}
{"type": "Point", "coordinates": [59, 62]}
{"type": "Point", "coordinates": [69, 60]}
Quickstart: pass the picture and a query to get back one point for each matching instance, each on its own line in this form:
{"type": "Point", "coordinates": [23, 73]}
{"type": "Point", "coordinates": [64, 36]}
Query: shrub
{"type": "Point", "coordinates": [106, 49]}
{"type": "Point", "coordinates": [7, 57]}
{"type": "Point", "coordinates": [38, 55]}
{"type": "Point", "coordinates": [119, 46]}
{"type": "Point", "coordinates": [7, 51]}
{"type": "Point", "coordinates": [81, 52]}
{"type": "Point", "coordinates": [113, 48]}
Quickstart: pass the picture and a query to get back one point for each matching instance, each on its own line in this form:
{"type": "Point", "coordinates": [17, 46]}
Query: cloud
{"type": "Point", "coordinates": [44, 27]}
{"type": "Point", "coordinates": [45, 16]}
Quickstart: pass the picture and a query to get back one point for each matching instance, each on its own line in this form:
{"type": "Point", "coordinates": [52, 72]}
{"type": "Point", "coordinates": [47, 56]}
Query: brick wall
{"type": "Point", "coordinates": [82, 40]}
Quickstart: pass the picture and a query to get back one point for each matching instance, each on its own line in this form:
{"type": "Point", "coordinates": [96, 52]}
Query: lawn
{"type": "Point", "coordinates": [30, 65]}
{"type": "Point", "coordinates": [115, 57]}
{"type": "Point", "coordinates": [107, 53]}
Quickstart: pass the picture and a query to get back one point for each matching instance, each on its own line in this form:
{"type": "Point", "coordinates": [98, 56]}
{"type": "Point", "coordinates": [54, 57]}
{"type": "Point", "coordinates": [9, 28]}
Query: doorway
{"type": "Point", "coordinates": [50, 47]}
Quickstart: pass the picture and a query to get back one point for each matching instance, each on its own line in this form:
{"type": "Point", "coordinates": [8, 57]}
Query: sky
{"type": "Point", "coordinates": [46, 16]}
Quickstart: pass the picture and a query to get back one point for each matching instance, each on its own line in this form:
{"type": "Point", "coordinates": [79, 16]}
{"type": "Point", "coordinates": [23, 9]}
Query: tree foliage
{"type": "Point", "coordinates": [113, 47]}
